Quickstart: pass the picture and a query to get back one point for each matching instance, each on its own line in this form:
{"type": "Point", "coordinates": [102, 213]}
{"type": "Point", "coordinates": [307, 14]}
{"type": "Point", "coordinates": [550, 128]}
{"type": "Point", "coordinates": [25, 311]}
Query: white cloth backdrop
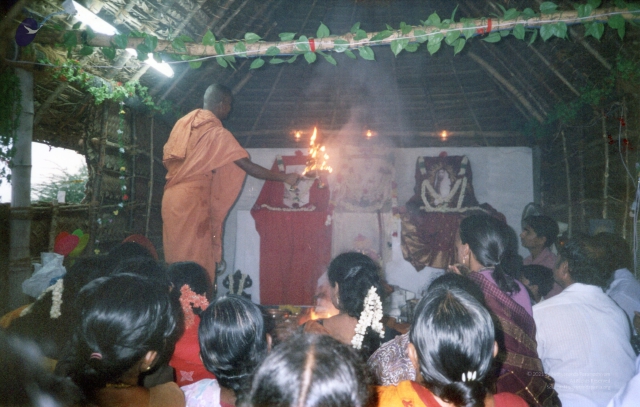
{"type": "Point", "coordinates": [502, 177]}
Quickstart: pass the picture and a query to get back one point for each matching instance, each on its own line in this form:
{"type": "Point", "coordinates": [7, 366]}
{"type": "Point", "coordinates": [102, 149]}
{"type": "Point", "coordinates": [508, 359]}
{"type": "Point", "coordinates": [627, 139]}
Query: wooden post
{"type": "Point", "coordinates": [19, 255]}
{"type": "Point", "coordinates": [568, 175]}
{"type": "Point", "coordinates": [151, 164]}
{"type": "Point", "coordinates": [605, 182]}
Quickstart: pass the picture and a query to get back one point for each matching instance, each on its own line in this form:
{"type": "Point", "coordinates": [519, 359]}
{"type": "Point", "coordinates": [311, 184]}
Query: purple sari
{"type": "Point", "coordinates": [519, 369]}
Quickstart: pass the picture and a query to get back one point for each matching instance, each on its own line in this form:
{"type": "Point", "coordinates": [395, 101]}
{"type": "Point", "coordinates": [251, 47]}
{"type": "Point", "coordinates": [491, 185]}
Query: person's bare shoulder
{"type": "Point", "coordinates": [166, 395]}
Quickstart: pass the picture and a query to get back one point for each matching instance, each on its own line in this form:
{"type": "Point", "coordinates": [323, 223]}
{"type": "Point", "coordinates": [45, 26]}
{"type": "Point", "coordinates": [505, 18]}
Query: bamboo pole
{"type": "Point", "coordinates": [581, 189]}
{"type": "Point", "coordinates": [605, 181]}
{"type": "Point", "coordinates": [146, 227]}
{"type": "Point", "coordinates": [568, 178]}
{"type": "Point", "coordinates": [627, 178]}
{"type": "Point", "coordinates": [327, 44]}
{"type": "Point", "coordinates": [19, 254]}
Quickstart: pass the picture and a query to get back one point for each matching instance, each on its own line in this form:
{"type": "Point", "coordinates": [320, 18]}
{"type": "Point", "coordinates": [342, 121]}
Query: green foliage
{"type": "Point", "coordinates": [323, 31]}
{"type": "Point", "coordinates": [592, 97]}
{"type": "Point", "coordinates": [310, 57]}
{"type": "Point", "coordinates": [10, 109]}
{"type": "Point", "coordinates": [71, 71]}
{"type": "Point", "coordinates": [72, 183]}
{"type": "Point", "coordinates": [208, 38]}
{"type": "Point", "coordinates": [257, 63]}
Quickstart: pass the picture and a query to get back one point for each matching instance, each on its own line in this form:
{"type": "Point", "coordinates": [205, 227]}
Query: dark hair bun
{"type": "Point", "coordinates": [464, 394]}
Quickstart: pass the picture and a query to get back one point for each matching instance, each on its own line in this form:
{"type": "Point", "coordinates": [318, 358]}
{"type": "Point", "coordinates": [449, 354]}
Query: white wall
{"type": "Point", "coordinates": [502, 177]}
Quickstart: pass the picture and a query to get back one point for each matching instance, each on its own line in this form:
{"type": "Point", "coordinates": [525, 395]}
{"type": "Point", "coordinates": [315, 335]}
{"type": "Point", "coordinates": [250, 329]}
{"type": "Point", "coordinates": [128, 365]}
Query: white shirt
{"type": "Point", "coordinates": [629, 395]}
{"type": "Point", "coordinates": [583, 342]}
{"type": "Point", "coordinates": [625, 290]}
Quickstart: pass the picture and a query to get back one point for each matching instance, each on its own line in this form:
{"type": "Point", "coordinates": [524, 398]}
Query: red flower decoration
{"type": "Point", "coordinates": [119, 83]}
{"type": "Point", "coordinates": [125, 197]}
{"type": "Point", "coordinates": [190, 300]}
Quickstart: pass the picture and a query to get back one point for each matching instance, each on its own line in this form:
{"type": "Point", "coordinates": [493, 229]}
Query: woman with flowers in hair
{"type": "Point", "coordinates": [452, 345]}
{"type": "Point", "coordinates": [192, 288]}
{"type": "Point", "coordinates": [356, 291]}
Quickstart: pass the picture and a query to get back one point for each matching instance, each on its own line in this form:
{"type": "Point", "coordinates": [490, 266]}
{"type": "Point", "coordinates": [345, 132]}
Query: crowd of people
{"type": "Point", "coordinates": [126, 330]}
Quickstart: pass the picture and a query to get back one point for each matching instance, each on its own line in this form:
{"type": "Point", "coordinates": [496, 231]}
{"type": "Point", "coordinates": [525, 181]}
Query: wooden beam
{"type": "Point", "coordinates": [327, 44]}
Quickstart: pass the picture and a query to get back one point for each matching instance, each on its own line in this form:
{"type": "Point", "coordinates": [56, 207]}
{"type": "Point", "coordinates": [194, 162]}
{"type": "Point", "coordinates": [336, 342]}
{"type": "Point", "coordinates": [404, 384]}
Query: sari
{"type": "Point", "coordinates": [518, 367]}
{"type": "Point", "coordinates": [411, 394]}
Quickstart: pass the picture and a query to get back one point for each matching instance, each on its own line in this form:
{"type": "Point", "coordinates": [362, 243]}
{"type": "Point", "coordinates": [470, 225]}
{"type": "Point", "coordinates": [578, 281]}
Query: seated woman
{"type": "Point", "coordinates": [487, 248]}
{"type": "Point", "coordinates": [356, 293]}
{"type": "Point", "coordinates": [451, 346]}
{"type": "Point", "coordinates": [233, 342]}
{"type": "Point", "coordinates": [192, 288]}
{"type": "Point", "coordinates": [391, 364]}
{"type": "Point", "coordinates": [310, 371]}
{"type": "Point", "coordinates": [126, 323]}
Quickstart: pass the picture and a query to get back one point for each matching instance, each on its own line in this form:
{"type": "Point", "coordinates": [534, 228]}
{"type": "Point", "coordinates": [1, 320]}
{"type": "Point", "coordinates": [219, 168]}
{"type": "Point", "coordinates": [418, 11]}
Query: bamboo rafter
{"type": "Point", "coordinates": [327, 44]}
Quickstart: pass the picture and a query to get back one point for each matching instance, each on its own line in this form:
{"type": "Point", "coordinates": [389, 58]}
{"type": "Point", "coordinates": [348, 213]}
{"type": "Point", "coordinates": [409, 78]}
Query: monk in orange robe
{"type": "Point", "coordinates": [206, 168]}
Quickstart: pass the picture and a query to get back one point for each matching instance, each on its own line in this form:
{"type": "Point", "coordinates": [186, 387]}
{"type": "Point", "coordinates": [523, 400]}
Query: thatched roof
{"type": "Point", "coordinates": [483, 96]}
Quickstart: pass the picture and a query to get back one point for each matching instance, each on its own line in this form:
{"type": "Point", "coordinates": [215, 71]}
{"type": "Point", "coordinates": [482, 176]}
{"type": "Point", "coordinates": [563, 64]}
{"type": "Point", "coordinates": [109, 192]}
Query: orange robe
{"type": "Point", "coordinates": [203, 182]}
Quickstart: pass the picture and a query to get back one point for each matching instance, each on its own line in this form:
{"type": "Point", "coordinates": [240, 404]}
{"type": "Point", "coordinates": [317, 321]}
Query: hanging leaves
{"type": "Point", "coordinates": [323, 31]}
{"type": "Point", "coordinates": [178, 43]}
{"type": "Point", "coordinates": [434, 43]}
{"type": "Point", "coordinates": [492, 37]}
{"type": "Point", "coordinates": [108, 52]}
{"type": "Point", "coordinates": [310, 57]}
{"type": "Point", "coordinates": [381, 36]}
{"type": "Point", "coordinates": [451, 37]}
{"type": "Point", "coordinates": [272, 51]}
{"type": "Point", "coordinates": [251, 38]}
{"type": "Point", "coordinates": [617, 23]}
{"type": "Point", "coordinates": [303, 44]}
{"type": "Point", "coordinates": [209, 39]}
{"type": "Point", "coordinates": [366, 53]}
{"type": "Point", "coordinates": [286, 36]}
{"type": "Point", "coordinates": [328, 58]}
{"type": "Point", "coordinates": [594, 29]}
{"type": "Point", "coordinates": [360, 35]}
{"type": "Point", "coordinates": [518, 31]}
{"type": "Point", "coordinates": [420, 35]}
{"type": "Point", "coordinates": [458, 45]}
{"type": "Point", "coordinates": [257, 63]}
{"type": "Point", "coordinates": [548, 7]}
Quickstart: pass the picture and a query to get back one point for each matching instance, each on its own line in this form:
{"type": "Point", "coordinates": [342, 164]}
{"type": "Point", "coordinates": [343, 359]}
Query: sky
{"type": "Point", "coordinates": [47, 161]}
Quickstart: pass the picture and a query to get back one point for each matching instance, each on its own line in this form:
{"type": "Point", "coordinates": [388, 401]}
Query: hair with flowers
{"type": "Point", "coordinates": [190, 300]}
{"type": "Point", "coordinates": [371, 316]}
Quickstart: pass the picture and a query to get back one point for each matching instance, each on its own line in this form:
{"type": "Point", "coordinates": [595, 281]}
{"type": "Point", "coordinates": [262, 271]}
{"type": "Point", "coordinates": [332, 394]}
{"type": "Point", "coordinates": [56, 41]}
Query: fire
{"type": "Point", "coordinates": [369, 134]}
{"type": "Point", "coordinates": [314, 165]}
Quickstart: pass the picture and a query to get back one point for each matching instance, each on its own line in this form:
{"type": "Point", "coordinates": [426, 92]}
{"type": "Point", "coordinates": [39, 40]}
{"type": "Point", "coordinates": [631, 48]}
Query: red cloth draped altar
{"type": "Point", "coordinates": [295, 237]}
{"type": "Point", "coordinates": [443, 197]}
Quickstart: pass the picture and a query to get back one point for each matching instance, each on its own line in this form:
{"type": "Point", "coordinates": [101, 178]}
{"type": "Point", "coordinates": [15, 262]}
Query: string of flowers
{"type": "Point", "coordinates": [56, 299]}
{"type": "Point", "coordinates": [121, 163]}
{"type": "Point", "coordinates": [371, 316]}
{"type": "Point", "coordinates": [190, 300]}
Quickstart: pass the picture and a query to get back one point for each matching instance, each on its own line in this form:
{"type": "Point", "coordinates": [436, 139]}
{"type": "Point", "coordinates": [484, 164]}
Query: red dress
{"type": "Point", "coordinates": [186, 357]}
{"type": "Point", "coordinates": [295, 239]}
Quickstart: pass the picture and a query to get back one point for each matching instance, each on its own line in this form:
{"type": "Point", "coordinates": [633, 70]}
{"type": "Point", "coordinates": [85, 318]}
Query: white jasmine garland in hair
{"type": "Point", "coordinates": [371, 316]}
{"type": "Point", "coordinates": [56, 298]}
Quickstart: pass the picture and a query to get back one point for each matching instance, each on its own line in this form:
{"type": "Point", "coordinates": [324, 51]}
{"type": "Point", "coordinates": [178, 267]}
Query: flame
{"type": "Point", "coordinates": [313, 164]}
{"type": "Point", "coordinates": [443, 135]}
{"type": "Point", "coordinates": [298, 135]}
{"type": "Point", "coordinates": [369, 134]}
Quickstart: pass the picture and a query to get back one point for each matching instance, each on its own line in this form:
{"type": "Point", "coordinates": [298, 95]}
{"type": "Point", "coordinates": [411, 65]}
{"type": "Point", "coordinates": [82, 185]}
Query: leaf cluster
{"type": "Point", "coordinates": [101, 89]}
{"type": "Point", "coordinates": [10, 109]}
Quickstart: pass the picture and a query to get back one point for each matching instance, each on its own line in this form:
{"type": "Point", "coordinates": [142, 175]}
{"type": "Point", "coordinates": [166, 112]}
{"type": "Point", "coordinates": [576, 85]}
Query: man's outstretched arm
{"type": "Point", "coordinates": [260, 172]}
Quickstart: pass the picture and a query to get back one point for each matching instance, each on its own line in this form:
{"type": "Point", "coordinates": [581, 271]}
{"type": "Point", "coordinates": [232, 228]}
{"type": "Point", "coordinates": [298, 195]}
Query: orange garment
{"type": "Point", "coordinates": [203, 182]}
{"type": "Point", "coordinates": [411, 394]}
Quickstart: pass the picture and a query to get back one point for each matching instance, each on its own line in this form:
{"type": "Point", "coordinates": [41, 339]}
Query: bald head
{"type": "Point", "coordinates": [218, 99]}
